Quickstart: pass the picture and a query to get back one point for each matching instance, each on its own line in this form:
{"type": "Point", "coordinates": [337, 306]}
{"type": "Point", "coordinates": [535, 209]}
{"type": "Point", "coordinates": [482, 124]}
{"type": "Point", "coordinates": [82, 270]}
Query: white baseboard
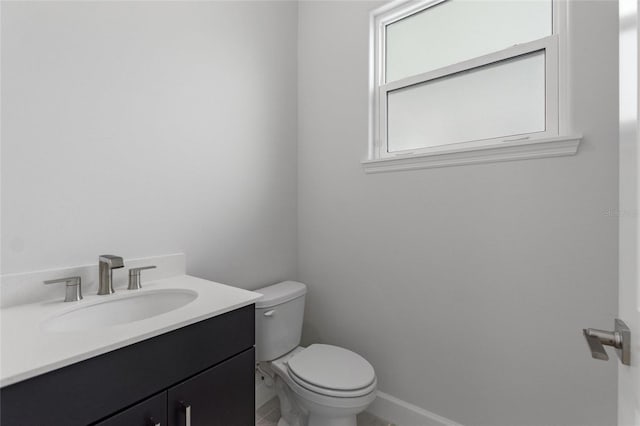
{"type": "Point", "coordinates": [402, 413]}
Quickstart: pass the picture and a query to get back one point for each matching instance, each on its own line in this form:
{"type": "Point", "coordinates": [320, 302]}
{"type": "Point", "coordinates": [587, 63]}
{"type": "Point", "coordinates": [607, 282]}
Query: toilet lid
{"type": "Point", "coordinates": [331, 367]}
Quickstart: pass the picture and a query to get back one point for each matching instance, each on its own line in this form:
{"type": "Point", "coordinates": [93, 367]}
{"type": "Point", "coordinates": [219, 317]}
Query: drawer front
{"type": "Point", "coordinates": [150, 412]}
{"type": "Point", "coordinates": [90, 390]}
{"type": "Point", "coordinates": [221, 396]}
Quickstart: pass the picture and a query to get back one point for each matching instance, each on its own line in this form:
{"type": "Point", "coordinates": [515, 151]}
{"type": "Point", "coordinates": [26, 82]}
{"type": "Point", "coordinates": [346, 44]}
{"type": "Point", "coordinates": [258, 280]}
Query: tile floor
{"type": "Point", "coordinates": [269, 413]}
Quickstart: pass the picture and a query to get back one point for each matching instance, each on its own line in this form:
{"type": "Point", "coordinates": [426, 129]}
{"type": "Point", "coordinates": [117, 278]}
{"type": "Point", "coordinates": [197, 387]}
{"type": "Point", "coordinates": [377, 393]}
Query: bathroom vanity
{"type": "Point", "coordinates": [189, 367]}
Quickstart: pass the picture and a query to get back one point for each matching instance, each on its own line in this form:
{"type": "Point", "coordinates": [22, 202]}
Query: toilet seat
{"type": "Point", "coordinates": [332, 371]}
{"type": "Point", "coordinates": [355, 393]}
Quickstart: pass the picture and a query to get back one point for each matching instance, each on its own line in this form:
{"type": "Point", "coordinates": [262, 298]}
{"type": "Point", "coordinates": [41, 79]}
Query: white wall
{"type": "Point", "coordinates": [143, 128]}
{"type": "Point", "coordinates": [466, 287]}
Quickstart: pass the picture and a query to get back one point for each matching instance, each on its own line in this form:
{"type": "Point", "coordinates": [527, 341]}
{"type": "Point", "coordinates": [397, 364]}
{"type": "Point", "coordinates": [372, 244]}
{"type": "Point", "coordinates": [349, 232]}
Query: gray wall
{"type": "Point", "coordinates": [144, 128]}
{"type": "Point", "coordinates": [466, 287]}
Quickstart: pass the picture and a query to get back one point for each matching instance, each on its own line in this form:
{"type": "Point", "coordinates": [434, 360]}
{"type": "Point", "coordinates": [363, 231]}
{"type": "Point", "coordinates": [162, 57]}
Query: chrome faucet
{"type": "Point", "coordinates": [108, 263]}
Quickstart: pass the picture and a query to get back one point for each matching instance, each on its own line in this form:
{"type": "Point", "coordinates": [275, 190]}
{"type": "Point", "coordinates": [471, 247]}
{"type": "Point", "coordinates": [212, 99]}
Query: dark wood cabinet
{"type": "Point", "coordinates": [150, 412]}
{"type": "Point", "coordinates": [218, 396]}
{"type": "Point", "coordinates": [109, 388]}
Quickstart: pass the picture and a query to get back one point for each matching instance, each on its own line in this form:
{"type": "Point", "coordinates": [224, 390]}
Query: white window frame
{"type": "Point", "coordinates": [556, 140]}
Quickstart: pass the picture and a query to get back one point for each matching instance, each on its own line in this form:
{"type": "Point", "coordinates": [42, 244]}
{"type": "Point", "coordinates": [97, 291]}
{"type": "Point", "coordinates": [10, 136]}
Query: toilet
{"type": "Point", "coordinates": [320, 385]}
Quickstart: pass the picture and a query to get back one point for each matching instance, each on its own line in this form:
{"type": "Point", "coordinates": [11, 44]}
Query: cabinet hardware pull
{"type": "Point", "coordinates": [152, 422]}
{"type": "Point", "coordinates": [187, 413]}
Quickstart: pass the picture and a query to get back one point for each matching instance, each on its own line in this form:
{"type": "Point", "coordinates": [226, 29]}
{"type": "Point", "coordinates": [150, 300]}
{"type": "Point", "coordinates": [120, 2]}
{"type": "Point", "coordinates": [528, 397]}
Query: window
{"type": "Point", "coordinates": [463, 81]}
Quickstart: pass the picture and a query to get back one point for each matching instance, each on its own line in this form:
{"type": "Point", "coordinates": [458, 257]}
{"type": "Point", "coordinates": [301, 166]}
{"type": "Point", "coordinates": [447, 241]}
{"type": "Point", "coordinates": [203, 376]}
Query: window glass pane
{"type": "Point", "coordinates": [501, 99]}
{"type": "Point", "coordinates": [457, 30]}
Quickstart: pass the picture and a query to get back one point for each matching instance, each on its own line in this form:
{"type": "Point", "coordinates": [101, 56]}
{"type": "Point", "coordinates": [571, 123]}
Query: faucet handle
{"type": "Point", "coordinates": [73, 292]}
{"type": "Point", "coordinates": [134, 277]}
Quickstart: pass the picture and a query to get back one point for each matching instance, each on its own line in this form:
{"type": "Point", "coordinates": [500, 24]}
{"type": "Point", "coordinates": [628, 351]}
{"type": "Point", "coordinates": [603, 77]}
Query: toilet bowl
{"type": "Point", "coordinates": [321, 385]}
{"type": "Point", "coordinates": [335, 401]}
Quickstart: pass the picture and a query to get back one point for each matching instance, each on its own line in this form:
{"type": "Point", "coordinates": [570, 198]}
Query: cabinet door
{"type": "Point", "coordinates": [220, 396]}
{"type": "Point", "coordinates": [150, 412]}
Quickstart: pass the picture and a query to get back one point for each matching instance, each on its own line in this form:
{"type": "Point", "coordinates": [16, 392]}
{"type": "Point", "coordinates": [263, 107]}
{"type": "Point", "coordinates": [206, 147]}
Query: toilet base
{"type": "Point", "coordinates": [290, 413]}
{"type": "Point", "coordinates": [320, 414]}
{"type": "Point", "coordinates": [282, 422]}
{"type": "Point", "coordinates": [324, 421]}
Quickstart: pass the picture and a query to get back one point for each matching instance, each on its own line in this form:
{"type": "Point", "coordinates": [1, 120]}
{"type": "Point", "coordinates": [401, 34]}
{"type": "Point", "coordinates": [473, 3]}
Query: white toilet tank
{"type": "Point", "coordinates": [279, 315]}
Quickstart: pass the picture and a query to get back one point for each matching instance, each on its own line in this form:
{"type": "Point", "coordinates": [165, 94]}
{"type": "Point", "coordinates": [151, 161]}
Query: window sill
{"type": "Point", "coordinates": [499, 151]}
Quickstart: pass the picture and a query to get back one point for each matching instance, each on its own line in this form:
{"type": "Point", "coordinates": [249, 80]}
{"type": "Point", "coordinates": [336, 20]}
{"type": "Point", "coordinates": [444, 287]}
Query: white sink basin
{"type": "Point", "coordinates": [122, 310]}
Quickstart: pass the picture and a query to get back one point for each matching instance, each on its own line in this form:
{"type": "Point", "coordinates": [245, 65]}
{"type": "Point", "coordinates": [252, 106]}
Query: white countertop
{"type": "Point", "coordinates": [27, 350]}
